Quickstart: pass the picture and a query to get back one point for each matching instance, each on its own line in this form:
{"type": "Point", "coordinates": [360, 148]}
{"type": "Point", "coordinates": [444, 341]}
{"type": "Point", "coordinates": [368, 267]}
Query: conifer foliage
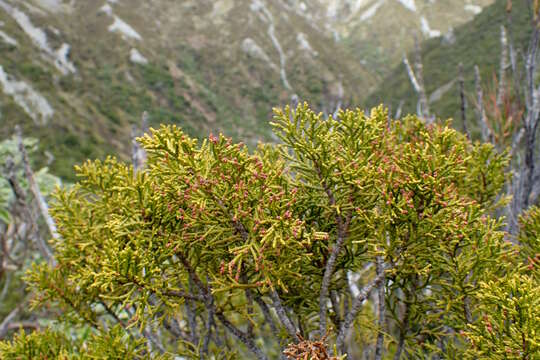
{"type": "Point", "coordinates": [356, 230]}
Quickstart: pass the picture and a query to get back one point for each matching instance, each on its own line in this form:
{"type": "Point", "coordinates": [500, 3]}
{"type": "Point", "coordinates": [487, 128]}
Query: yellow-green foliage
{"type": "Point", "coordinates": [49, 344]}
{"type": "Point", "coordinates": [509, 325]}
{"type": "Point", "coordinates": [249, 225]}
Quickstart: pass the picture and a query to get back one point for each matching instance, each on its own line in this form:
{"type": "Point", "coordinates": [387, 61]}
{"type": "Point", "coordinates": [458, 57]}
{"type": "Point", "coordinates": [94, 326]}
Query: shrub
{"type": "Point", "coordinates": [213, 249]}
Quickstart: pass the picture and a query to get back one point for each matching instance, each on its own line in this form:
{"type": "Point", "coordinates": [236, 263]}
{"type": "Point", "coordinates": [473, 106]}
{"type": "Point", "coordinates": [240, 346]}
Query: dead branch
{"type": "Point", "coordinates": [42, 205]}
{"type": "Point", "coordinates": [307, 349]}
{"type": "Point", "coordinates": [138, 155]}
{"type": "Point", "coordinates": [480, 109]}
{"type": "Point", "coordinates": [463, 98]}
{"type": "Point", "coordinates": [503, 67]}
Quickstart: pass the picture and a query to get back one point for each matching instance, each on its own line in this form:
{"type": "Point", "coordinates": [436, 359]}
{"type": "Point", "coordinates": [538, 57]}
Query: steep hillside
{"type": "Point", "coordinates": [477, 42]}
{"type": "Point", "coordinates": [77, 73]}
{"type": "Point", "coordinates": [380, 31]}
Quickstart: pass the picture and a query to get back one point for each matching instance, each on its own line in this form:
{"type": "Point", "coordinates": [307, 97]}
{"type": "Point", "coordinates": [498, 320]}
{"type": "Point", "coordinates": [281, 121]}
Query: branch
{"type": "Point", "coordinates": [522, 200]}
{"type": "Point", "coordinates": [399, 109]}
{"type": "Point", "coordinates": [183, 295]}
{"type": "Point", "coordinates": [419, 67]}
{"type": "Point", "coordinates": [516, 75]}
{"type": "Point", "coordinates": [530, 66]}
{"type": "Point", "coordinates": [282, 315]}
{"type": "Point", "coordinates": [381, 309]}
{"type": "Point", "coordinates": [343, 228]}
{"type": "Point", "coordinates": [204, 290]}
{"type": "Point", "coordinates": [266, 312]}
{"type": "Point", "coordinates": [42, 205]}
{"type": "Point", "coordinates": [250, 344]}
{"type": "Point", "coordinates": [4, 325]}
{"type": "Point", "coordinates": [463, 98]}
{"type": "Point", "coordinates": [138, 155]}
{"type": "Point", "coordinates": [355, 308]}
{"type": "Point", "coordinates": [480, 110]}
{"type": "Point", "coordinates": [327, 277]}
{"type": "Point", "coordinates": [34, 325]}
{"type": "Point", "coordinates": [402, 333]}
{"type": "Point", "coordinates": [208, 327]}
{"type": "Point", "coordinates": [503, 67]}
{"type": "Point", "coordinates": [335, 305]}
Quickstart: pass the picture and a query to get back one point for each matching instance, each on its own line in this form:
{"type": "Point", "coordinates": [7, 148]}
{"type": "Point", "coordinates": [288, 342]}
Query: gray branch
{"type": "Point", "coordinates": [282, 315]}
{"type": "Point", "coordinates": [381, 309]}
{"type": "Point", "coordinates": [42, 205]}
{"type": "Point", "coordinates": [480, 110]}
{"type": "Point", "coordinates": [503, 67]}
{"type": "Point", "coordinates": [355, 308]}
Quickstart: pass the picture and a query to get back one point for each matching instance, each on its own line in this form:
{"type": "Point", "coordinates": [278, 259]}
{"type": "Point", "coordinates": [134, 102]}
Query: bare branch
{"type": "Point", "coordinates": [402, 333]}
{"type": "Point", "coordinates": [266, 312]}
{"type": "Point", "coordinates": [336, 307]}
{"type": "Point", "coordinates": [250, 344]}
{"type": "Point", "coordinates": [42, 205]}
{"type": "Point", "coordinates": [183, 295]}
{"type": "Point", "coordinates": [410, 72]}
{"type": "Point", "coordinates": [381, 309]}
{"type": "Point", "coordinates": [419, 70]}
{"type": "Point", "coordinates": [480, 110]}
{"type": "Point", "coordinates": [503, 67]}
{"type": "Point", "coordinates": [343, 228]}
{"type": "Point", "coordinates": [4, 325]}
{"type": "Point", "coordinates": [208, 329]}
{"type": "Point", "coordinates": [399, 109]}
{"type": "Point", "coordinates": [463, 98]}
{"type": "Point", "coordinates": [206, 293]}
{"type": "Point", "coordinates": [282, 315]}
{"type": "Point", "coordinates": [416, 77]}
{"type": "Point", "coordinates": [138, 155]}
{"type": "Point", "coordinates": [355, 308]}
{"type": "Point", "coordinates": [521, 199]}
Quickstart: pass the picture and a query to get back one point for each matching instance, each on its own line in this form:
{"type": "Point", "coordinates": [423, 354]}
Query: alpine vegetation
{"type": "Point", "coordinates": [355, 237]}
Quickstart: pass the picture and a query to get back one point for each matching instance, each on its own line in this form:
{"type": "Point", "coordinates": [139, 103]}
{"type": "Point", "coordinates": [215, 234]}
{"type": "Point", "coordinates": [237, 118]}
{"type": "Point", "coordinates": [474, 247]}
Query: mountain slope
{"type": "Point", "coordinates": [77, 73]}
{"type": "Point", "coordinates": [380, 31]}
{"type": "Point", "coordinates": [477, 42]}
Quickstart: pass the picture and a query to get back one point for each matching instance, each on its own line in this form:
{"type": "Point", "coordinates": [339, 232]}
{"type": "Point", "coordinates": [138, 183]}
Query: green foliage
{"type": "Point", "coordinates": [50, 344]}
{"type": "Point", "coordinates": [508, 327]}
{"type": "Point", "coordinates": [530, 240]}
{"type": "Point", "coordinates": [213, 227]}
{"type": "Point", "coordinates": [37, 345]}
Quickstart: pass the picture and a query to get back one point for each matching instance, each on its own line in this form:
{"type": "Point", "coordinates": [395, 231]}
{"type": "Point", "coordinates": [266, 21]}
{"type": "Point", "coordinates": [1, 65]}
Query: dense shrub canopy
{"type": "Point", "coordinates": [373, 232]}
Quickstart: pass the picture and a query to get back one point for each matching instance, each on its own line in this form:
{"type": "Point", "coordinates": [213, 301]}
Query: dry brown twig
{"type": "Point", "coordinates": [309, 350]}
